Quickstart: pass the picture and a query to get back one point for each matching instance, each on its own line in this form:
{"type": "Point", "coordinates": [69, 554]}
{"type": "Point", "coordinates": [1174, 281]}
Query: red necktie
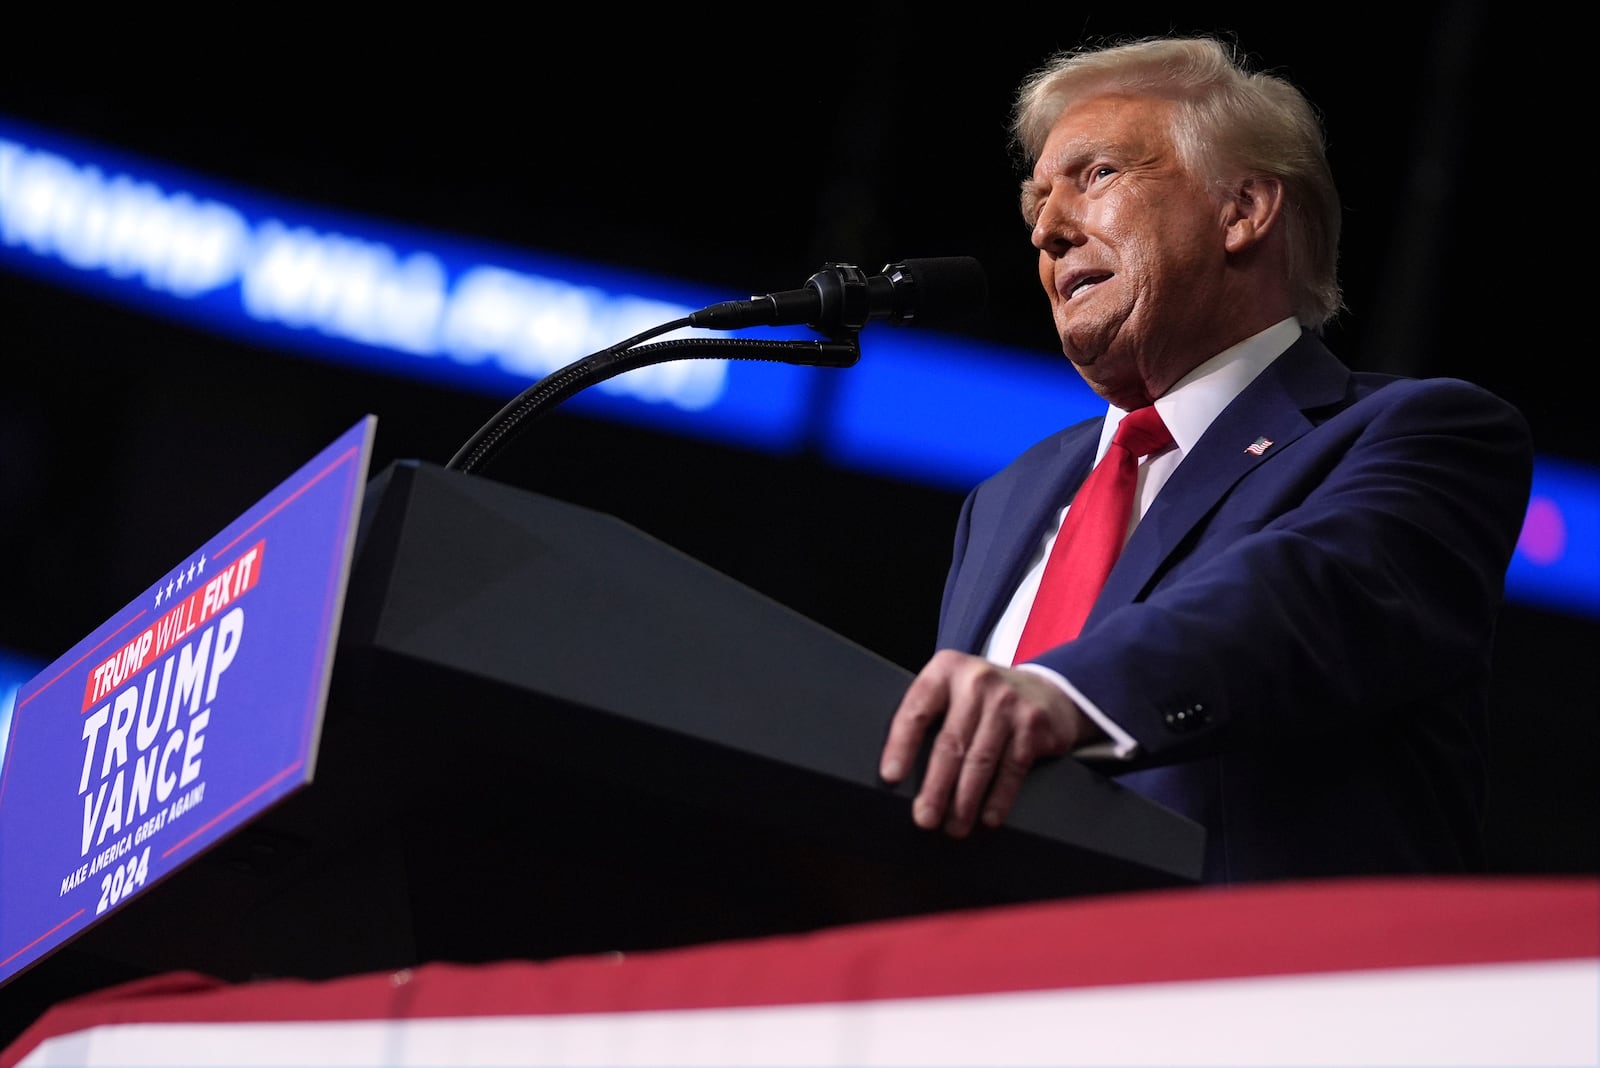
{"type": "Point", "coordinates": [1091, 536]}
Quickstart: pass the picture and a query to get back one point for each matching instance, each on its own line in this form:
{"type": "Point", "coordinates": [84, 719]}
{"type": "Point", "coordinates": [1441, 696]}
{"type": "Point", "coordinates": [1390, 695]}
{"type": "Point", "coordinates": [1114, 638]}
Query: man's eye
{"type": "Point", "coordinates": [1101, 171]}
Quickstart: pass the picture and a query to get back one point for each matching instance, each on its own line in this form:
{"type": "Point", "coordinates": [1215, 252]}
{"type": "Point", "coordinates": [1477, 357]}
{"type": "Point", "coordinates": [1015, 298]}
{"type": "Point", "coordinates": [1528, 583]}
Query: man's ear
{"type": "Point", "coordinates": [1251, 212]}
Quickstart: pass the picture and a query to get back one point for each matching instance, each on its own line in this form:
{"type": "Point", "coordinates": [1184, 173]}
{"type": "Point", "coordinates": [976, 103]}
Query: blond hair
{"type": "Point", "coordinates": [1230, 122]}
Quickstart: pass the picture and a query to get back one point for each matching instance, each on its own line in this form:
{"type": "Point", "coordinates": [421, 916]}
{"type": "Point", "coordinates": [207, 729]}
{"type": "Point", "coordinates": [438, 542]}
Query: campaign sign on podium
{"type": "Point", "coordinates": [182, 717]}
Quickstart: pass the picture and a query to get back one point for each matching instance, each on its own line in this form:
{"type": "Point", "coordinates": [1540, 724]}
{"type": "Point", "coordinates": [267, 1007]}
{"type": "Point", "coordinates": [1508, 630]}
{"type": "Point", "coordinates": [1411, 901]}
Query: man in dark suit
{"type": "Point", "coordinates": [1293, 647]}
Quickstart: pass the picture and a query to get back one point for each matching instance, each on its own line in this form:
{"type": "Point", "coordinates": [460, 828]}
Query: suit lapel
{"type": "Point", "coordinates": [1257, 427]}
{"type": "Point", "coordinates": [998, 552]}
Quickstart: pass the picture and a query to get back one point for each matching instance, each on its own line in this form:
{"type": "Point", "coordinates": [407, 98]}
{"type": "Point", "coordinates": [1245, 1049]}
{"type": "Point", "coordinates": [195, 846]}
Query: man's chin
{"type": "Point", "coordinates": [1082, 356]}
{"type": "Point", "coordinates": [1083, 340]}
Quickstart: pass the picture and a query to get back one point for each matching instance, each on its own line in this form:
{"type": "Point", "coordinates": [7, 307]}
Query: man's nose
{"type": "Point", "coordinates": [1057, 227]}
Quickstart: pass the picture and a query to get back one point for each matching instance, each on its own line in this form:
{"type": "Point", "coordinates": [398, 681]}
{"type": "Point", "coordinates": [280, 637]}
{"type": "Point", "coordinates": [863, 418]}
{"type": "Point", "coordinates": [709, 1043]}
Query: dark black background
{"type": "Point", "coordinates": [737, 150]}
{"type": "Point", "coordinates": [741, 150]}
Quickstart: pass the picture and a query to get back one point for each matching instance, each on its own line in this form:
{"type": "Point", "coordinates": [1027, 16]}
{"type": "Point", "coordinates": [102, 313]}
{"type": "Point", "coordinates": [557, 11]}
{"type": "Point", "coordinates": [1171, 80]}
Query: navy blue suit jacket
{"type": "Point", "coordinates": [1299, 640]}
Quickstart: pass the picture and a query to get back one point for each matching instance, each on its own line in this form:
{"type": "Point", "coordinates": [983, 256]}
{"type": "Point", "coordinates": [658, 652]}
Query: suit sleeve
{"type": "Point", "coordinates": [1356, 576]}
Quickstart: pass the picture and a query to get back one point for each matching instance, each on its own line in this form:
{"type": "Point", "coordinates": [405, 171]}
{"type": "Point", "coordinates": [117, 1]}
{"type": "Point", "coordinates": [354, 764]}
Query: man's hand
{"type": "Point", "coordinates": [994, 724]}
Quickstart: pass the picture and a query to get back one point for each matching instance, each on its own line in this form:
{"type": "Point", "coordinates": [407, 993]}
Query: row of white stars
{"type": "Point", "coordinates": [186, 576]}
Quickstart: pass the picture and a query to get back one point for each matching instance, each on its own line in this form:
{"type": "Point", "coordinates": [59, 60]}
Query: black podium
{"type": "Point", "coordinates": [549, 734]}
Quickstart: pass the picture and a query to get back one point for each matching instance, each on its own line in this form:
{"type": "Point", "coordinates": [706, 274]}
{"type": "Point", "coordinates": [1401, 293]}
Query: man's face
{"type": "Point", "coordinates": [1131, 248]}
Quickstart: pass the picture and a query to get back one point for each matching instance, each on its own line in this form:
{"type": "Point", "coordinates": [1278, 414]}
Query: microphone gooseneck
{"type": "Point", "coordinates": [837, 301]}
{"type": "Point", "coordinates": [841, 296]}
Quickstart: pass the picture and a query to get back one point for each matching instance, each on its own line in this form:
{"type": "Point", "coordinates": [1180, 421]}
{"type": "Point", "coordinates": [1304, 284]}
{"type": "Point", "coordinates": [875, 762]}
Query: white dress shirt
{"type": "Point", "coordinates": [1188, 408]}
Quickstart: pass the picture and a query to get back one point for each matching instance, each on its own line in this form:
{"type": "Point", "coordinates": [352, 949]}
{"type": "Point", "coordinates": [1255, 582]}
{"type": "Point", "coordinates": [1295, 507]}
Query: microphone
{"type": "Point", "coordinates": [839, 300]}
{"type": "Point", "coordinates": [841, 296]}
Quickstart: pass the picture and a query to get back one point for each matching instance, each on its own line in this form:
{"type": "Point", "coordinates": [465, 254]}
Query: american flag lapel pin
{"type": "Point", "coordinates": [1258, 446]}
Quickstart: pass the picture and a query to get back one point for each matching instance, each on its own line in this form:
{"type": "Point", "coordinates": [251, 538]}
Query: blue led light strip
{"type": "Point", "coordinates": [927, 408]}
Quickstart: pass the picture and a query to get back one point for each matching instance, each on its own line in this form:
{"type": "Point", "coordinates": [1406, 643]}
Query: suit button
{"type": "Point", "coordinates": [1188, 717]}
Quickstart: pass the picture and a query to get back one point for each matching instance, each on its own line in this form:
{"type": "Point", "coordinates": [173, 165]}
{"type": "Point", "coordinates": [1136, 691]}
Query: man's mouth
{"type": "Point", "coordinates": [1082, 284]}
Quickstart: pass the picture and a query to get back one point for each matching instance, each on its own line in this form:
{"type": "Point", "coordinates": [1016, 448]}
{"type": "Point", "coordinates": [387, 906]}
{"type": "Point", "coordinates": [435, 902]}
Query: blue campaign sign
{"type": "Point", "coordinates": [182, 717]}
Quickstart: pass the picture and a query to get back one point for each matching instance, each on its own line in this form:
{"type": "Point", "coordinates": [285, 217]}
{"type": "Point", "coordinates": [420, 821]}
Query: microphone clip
{"type": "Point", "coordinates": [844, 299]}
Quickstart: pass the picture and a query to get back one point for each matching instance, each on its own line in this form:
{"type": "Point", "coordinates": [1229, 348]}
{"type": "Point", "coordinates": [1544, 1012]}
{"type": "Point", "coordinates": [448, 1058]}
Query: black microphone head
{"type": "Point", "coordinates": [939, 289]}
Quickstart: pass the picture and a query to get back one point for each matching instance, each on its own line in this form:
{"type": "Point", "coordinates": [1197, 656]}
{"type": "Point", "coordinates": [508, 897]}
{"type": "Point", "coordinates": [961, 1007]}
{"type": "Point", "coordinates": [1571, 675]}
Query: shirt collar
{"type": "Point", "coordinates": [1189, 407]}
